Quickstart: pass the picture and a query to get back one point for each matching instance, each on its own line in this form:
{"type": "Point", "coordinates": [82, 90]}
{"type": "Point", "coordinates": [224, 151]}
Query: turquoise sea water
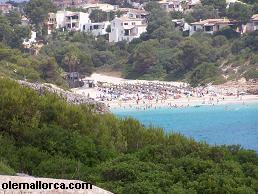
{"type": "Point", "coordinates": [223, 124]}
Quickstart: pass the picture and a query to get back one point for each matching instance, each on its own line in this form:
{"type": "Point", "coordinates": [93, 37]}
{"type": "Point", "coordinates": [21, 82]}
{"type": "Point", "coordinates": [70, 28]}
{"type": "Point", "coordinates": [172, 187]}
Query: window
{"type": "Point", "coordinates": [208, 28]}
{"type": "Point", "coordinates": [75, 17]}
{"type": "Point", "coordinates": [194, 28]}
{"type": "Point", "coordinates": [125, 24]}
{"type": "Point", "coordinates": [126, 32]}
{"type": "Point", "coordinates": [133, 23]}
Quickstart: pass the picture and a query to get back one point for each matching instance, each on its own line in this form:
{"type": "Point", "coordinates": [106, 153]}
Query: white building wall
{"type": "Point", "coordinates": [84, 18]}
{"type": "Point", "coordinates": [60, 19]}
{"type": "Point", "coordinates": [171, 5]}
{"type": "Point", "coordinates": [118, 27]}
{"type": "Point", "coordinates": [31, 40]}
{"type": "Point", "coordinates": [217, 27]}
{"type": "Point", "coordinates": [252, 26]}
{"type": "Point", "coordinates": [195, 28]}
{"type": "Point", "coordinates": [194, 2]}
{"type": "Point", "coordinates": [102, 27]}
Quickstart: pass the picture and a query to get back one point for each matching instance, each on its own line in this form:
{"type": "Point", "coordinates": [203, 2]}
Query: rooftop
{"type": "Point", "coordinates": [255, 17]}
{"type": "Point", "coordinates": [102, 6]}
{"type": "Point", "coordinates": [136, 11]}
{"type": "Point", "coordinates": [126, 18]}
{"type": "Point", "coordinates": [169, 1]}
{"type": "Point", "coordinates": [214, 22]}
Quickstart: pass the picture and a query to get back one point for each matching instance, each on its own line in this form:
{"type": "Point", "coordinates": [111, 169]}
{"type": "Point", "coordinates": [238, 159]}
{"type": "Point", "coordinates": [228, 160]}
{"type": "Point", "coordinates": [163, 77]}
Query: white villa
{"type": "Point", "coordinates": [137, 13]}
{"type": "Point", "coordinates": [67, 20]}
{"type": "Point", "coordinates": [134, 13]}
{"type": "Point", "coordinates": [77, 21]}
{"type": "Point", "coordinates": [192, 3]}
{"type": "Point", "coordinates": [97, 29]}
{"type": "Point", "coordinates": [31, 40]}
{"type": "Point", "coordinates": [101, 6]}
{"type": "Point", "coordinates": [228, 2]}
{"type": "Point", "coordinates": [127, 28]}
{"type": "Point", "coordinates": [253, 24]}
{"type": "Point", "coordinates": [178, 5]}
{"type": "Point", "coordinates": [171, 5]}
{"type": "Point", "coordinates": [211, 25]}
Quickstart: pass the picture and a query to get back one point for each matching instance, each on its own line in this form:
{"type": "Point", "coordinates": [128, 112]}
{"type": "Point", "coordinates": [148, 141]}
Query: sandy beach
{"type": "Point", "coordinates": [142, 94]}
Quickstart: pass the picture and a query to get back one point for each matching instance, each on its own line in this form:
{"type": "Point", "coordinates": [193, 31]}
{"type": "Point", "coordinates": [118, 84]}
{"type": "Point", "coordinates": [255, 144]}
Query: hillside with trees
{"type": "Point", "coordinates": [42, 135]}
{"type": "Point", "coordinates": [163, 52]}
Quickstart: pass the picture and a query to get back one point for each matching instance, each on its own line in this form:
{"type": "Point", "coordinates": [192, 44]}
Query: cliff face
{"type": "Point", "coordinates": [69, 96]}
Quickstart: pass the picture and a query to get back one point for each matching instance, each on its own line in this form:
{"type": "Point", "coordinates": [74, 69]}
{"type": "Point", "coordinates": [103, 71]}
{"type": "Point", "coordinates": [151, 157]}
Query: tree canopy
{"type": "Point", "coordinates": [240, 12]}
{"type": "Point", "coordinates": [37, 11]}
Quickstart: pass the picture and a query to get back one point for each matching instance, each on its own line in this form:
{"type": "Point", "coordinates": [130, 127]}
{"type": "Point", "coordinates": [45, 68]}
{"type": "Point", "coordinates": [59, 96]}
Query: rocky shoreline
{"type": "Point", "coordinates": [69, 96]}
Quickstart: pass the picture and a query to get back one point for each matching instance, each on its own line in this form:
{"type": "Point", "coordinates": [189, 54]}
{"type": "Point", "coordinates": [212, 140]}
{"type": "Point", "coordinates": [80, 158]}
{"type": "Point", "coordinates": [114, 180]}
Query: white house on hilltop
{"type": "Point", "coordinates": [178, 5]}
{"type": "Point", "coordinates": [100, 6]}
{"type": "Point", "coordinates": [135, 13]}
{"type": "Point", "coordinates": [253, 24]}
{"type": "Point", "coordinates": [171, 5]}
{"type": "Point", "coordinates": [31, 40]}
{"type": "Point", "coordinates": [211, 25]}
{"type": "Point", "coordinates": [127, 28]}
{"type": "Point", "coordinates": [67, 20]}
{"type": "Point", "coordinates": [192, 3]}
{"type": "Point", "coordinates": [77, 21]}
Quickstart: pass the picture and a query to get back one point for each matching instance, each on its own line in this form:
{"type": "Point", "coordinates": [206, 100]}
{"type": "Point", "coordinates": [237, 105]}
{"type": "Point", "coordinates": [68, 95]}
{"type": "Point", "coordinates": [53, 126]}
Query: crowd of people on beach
{"type": "Point", "coordinates": [141, 95]}
{"type": "Point", "coordinates": [139, 91]}
{"type": "Point", "coordinates": [155, 95]}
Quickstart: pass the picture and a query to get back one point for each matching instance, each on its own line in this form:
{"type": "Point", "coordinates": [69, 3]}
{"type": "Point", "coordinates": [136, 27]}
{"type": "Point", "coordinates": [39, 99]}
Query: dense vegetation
{"type": "Point", "coordinates": [163, 52]}
{"type": "Point", "coordinates": [15, 64]}
{"type": "Point", "coordinates": [45, 136]}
